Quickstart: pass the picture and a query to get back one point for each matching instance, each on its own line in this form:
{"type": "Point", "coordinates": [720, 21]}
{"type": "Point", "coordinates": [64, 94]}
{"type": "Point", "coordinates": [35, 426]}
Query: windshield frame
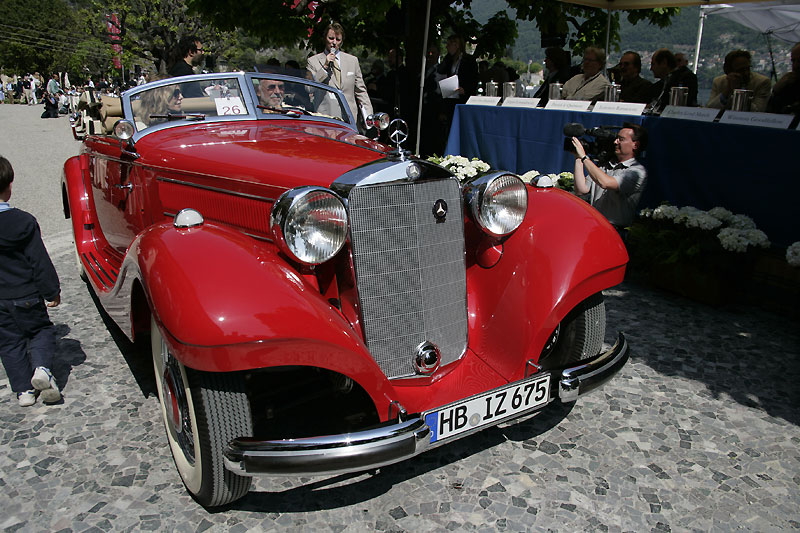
{"type": "Point", "coordinates": [350, 122]}
{"type": "Point", "coordinates": [249, 99]}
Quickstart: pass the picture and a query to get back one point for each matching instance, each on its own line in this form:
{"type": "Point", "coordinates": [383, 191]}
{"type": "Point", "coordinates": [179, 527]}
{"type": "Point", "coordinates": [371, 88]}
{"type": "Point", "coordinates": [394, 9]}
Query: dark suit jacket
{"type": "Point", "coordinates": [467, 74]}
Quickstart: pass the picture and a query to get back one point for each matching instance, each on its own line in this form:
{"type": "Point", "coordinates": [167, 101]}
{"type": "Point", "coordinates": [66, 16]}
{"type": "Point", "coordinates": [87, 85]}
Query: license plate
{"type": "Point", "coordinates": [488, 408]}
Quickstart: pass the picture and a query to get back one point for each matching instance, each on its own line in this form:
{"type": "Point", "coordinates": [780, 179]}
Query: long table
{"type": "Point", "coordinates": [746, 169]}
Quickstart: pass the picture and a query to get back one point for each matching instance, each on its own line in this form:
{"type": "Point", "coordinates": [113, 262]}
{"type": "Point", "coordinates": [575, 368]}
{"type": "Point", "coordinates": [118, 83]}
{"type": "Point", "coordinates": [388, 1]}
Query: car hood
{"type": "Point", "coordinates": [282, 153]}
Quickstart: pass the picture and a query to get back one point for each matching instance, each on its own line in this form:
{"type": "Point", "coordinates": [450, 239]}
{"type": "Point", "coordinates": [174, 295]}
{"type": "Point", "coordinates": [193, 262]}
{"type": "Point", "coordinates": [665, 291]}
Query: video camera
{"type": "Point", "coordinates": [601, 148]}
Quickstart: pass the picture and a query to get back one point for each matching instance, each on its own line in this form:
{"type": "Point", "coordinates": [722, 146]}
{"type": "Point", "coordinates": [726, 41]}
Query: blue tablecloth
{"type": "Point", "coordinates": [748, 170]}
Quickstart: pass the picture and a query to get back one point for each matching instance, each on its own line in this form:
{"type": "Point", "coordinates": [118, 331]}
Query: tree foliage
{"type": "Point", "coordinates": [46, 36]}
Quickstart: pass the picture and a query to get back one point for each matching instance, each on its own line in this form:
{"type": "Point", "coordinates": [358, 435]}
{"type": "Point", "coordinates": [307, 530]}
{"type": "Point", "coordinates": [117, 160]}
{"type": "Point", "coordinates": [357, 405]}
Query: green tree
{"type": "Point", "coordinates": [47, 36]}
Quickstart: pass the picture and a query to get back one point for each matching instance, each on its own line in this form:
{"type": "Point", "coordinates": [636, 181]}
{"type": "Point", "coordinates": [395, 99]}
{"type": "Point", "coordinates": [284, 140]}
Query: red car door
{"type": "Point", "coordinates": [117, 193]}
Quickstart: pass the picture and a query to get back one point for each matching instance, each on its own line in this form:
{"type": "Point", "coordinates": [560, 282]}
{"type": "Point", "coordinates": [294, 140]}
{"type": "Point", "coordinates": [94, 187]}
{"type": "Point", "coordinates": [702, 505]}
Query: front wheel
{"type": "Point", "coordinates": [203, 412]}
{"type": "Point", "coordinates": [579, 336]}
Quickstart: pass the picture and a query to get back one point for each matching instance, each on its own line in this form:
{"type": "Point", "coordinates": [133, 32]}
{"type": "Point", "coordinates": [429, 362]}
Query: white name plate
{"type": "Point", "coordinates": [483, 100]}
{"type": "Point", "coordinates": [700, 114]}
{"type": "Point", "coordinates": [568, 105]}
{"type": "Point", "coordinates": [765, 120]}
{"type": "Point", "coordinates": [513, 101]}
{"type": "Point", "coordinates": [619, 108]}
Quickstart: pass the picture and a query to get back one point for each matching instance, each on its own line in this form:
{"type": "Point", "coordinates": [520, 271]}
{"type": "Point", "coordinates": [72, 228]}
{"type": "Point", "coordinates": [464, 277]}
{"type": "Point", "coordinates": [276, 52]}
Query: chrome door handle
{"type": "Point", "coordinates": [128, 186]}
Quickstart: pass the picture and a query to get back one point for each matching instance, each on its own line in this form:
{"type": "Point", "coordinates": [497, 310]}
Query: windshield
{"type": "Point", "coordinates": [193, 100]}
{"type": "Point", "coordinates": [286, 95]}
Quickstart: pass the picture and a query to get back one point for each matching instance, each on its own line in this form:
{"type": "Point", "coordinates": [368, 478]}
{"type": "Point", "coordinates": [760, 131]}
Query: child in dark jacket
{"type": "Point", "coordinates": [28, 282]}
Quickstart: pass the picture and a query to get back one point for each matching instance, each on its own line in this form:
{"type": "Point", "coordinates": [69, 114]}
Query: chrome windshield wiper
{"type": "Point", "coordinates": [181, 116]}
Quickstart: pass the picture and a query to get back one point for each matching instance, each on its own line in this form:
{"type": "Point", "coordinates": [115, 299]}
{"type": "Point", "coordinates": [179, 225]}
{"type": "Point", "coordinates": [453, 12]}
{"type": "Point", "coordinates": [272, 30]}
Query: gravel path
{"type": "Point", "coordinates": [699, 432]}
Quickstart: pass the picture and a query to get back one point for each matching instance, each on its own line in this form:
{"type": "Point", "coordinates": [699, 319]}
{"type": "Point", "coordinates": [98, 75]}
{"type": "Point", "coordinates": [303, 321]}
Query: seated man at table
{"type": "Point", "coordinates": [615, 192]}
{"type": "Point", "coordinates": [786, 93]}
{"type": "Point", "coordinates": [665, 67]}
{"type": "Point", "coordinates": [634, 87]}
{"type": "Point", "coordinates": [738, 76]}
{"type": "Point", "coordinates": [591, 84]}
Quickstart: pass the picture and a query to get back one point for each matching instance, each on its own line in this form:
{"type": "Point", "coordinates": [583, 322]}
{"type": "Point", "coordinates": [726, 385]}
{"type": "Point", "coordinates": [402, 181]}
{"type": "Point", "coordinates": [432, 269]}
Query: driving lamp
{"type": "Point", "coordinates": [379, 121]}
{"type": "Point", "coordinates": [309, 224]}
{"type": "Point", "coordinates": [124, 129]}
{"type": "Point", "coordinates": [497, 202]}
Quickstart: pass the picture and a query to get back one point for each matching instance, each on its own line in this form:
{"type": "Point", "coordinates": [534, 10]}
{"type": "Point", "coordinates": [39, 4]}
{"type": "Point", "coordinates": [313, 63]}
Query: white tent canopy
{"type": "Point", "coordinates": [780, 19]}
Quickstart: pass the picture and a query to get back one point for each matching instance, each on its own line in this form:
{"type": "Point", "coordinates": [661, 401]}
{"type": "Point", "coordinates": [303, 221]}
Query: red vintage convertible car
{"type": "Point", "coordinates": [318, 302]}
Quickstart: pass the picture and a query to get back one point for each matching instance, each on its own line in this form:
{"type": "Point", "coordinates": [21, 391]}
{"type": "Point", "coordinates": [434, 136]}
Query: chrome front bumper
{"type": "Point", "coordinates": [390, 442]}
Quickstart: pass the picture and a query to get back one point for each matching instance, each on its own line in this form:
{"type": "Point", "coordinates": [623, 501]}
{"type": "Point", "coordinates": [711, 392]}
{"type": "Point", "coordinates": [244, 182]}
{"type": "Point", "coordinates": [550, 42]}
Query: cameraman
{"type": "Point", "coordinates": [615, 192]}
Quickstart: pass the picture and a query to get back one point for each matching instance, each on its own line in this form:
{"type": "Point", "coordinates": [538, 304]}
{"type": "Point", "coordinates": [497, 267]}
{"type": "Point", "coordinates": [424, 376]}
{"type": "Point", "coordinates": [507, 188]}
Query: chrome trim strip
{"type": "Point", "coordinates": [215, 189]}
{"type": "Point", "coordinates": [253, 235]}
{"type": "Point", "coordinates": [383, 171]}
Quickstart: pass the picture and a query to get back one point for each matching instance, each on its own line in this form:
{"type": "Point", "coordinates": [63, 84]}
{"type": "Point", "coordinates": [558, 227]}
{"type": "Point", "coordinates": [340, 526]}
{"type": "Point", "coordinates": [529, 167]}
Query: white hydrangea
{"type": "Point", "coordinates": [529, 176]}
{"type": "Point", "coordinates": [665, 212]}
{"type": "Point", "coordinates": [701, 220]}
{"type": "Point", "coordinates": [793, 254]}
{"type": "Point", "coordinates": [720, 213]}
{"type": "Point", "coordinates": [741, 222]}
{"type": "Point", "coordinates": [732, 240]}
{"type": "Point", "coordinates": [756, 237]}
{"type": "Point", "coordinates": [737, 239]}
{"type": "Point", "coordinates": [566, 175]}
{"type": "Point", "coordinates": [646, 212]}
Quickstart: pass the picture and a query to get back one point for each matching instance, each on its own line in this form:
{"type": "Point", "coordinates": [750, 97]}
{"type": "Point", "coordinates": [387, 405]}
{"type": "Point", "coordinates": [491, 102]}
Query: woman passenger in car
{"type": "Point", "coordinates": [161, 101]}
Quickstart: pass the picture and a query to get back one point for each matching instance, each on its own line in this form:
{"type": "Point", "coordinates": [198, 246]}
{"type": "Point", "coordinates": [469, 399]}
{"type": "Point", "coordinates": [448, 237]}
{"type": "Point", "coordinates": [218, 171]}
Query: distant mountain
{"type": "Point", "coordinates": [720, 36]}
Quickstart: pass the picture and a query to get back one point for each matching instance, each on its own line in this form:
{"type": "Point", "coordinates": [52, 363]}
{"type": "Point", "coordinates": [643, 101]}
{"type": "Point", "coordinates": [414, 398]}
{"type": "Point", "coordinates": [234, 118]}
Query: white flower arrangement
{"type": "Point", "coordinates": [700, 220]}
{"type": "Point", "coordinates": [691, 217]}
{"type": "Point", "coordinates": [462, 167]}
{"type": "Point", "coordinates": [529, 176]}
{"type": "Point", "coordinates": [721, 214]}
{"type": "Point", "coordinates": [665, 212]}
{"type": "Point", "coordinates": [793, 254]}
{"type": "Point", "coordinates": [738, 240]}
{"type": "Point", "coordinates": [741, 222]}
{"type": "Point", "coordinates": [737, 233]}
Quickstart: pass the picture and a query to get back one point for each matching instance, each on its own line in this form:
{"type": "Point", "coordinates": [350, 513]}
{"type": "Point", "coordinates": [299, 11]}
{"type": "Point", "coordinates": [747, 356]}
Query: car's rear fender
{"type": "Point", "coordinates": [564, 252]}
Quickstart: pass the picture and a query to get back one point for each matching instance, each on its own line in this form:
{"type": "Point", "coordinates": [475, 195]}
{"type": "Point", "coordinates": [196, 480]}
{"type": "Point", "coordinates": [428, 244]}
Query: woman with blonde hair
{"type": "Point", "coordinates": [160, 101]}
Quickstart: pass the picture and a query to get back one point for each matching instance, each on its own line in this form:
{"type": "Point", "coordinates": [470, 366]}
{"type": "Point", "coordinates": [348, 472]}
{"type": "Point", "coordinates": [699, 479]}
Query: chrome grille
{"type": "Point", "coordinates": [409, 271]}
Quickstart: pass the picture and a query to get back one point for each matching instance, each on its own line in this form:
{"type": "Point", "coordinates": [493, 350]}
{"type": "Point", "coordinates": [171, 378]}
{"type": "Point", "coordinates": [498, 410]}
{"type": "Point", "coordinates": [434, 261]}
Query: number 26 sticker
{"type": "Point", "coordinates": [230, 106]}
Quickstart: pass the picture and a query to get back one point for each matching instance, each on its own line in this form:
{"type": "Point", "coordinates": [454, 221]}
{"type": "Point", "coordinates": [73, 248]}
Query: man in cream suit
{"type": "Point", "coordinates": [738, 76]}
{"type": "Point", "coordinates": [340, 70]}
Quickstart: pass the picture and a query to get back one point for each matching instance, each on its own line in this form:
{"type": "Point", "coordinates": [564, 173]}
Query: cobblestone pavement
{"type": "Point", "coordinates": [699, 432]}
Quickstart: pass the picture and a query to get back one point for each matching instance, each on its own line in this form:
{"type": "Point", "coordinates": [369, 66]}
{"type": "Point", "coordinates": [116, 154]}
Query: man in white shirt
{"type": "Point", "coordinates": [615, 192]}
{"type": "Point", "coordinates": [591, 85]}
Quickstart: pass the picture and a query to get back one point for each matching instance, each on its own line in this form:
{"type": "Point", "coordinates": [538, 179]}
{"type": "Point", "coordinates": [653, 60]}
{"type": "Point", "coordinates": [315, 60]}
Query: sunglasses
{"type": "Point", "coordinates": [176, 93]}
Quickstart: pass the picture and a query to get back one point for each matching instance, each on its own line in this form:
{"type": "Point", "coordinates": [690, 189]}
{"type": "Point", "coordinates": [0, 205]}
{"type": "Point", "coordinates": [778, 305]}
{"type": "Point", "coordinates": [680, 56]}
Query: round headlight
{"type": "Point", "coordinates": [498, 203]}
{"type": "Point", "coordinates": [309, 224]}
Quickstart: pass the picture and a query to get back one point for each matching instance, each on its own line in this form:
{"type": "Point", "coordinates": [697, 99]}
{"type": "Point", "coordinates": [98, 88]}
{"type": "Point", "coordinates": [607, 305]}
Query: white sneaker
{"type": "Point", "coordinates": [44, 382]}
{"type": "Point", "coordinates": [27, 398]}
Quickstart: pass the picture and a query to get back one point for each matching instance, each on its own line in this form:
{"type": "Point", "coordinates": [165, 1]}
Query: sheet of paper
{"type": "Point", "coordinates": [448, 87]}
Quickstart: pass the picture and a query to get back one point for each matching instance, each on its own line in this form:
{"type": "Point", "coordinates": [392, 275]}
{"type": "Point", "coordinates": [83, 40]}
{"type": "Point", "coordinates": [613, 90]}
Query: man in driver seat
{"type": "Point", "coordinates": [270, 94]}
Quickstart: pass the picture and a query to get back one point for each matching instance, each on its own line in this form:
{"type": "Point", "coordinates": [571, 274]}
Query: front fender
{"type": "Point", "coordinates": [564, 252]}
{"type": "Point", "coordinates": [213, 286]}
